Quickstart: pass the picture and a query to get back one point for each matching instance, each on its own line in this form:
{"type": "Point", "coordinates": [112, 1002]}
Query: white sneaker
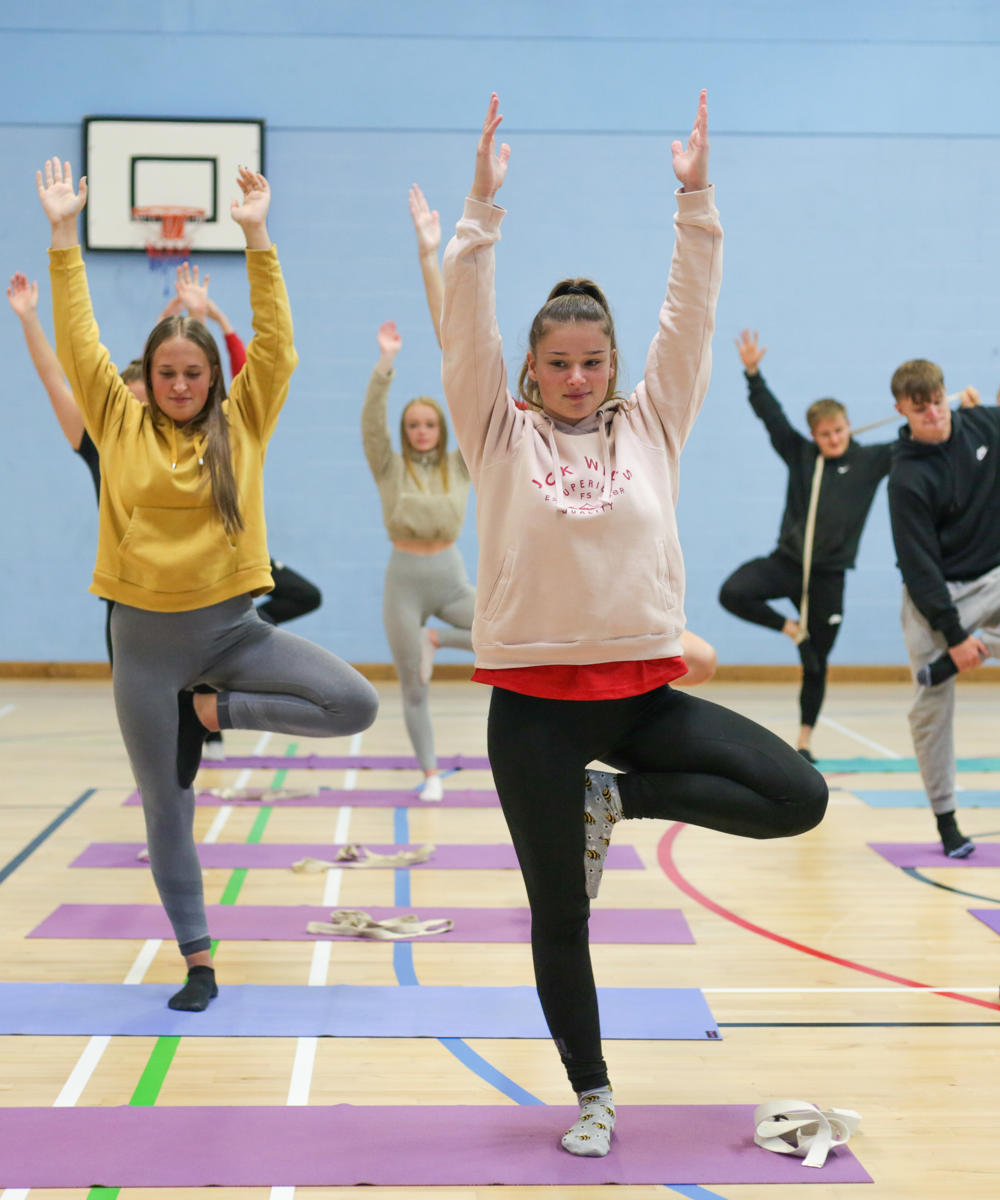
{"type": "Point", "coordinates": [432, 789]}
{"type": "Point", "coordinates": [213, 749]}
{"type": "Point", "coordinates": [602, 810]}
{"type": "Point", "coordinates": [427, 649]}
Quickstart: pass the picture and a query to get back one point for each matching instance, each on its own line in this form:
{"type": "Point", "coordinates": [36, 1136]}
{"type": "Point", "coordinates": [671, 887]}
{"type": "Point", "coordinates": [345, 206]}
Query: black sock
{"type": "Point", "coordinates": [197, 992]}
{"type": "Point", "coordinates": [955, 843]}
{"type": "Point", "coordinates": [190, 739]}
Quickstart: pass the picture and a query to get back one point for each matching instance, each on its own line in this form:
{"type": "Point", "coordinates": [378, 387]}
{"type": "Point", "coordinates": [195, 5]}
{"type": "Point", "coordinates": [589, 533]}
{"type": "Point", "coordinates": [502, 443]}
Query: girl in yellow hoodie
{"type": "Point", "coordinates": [182, 549]}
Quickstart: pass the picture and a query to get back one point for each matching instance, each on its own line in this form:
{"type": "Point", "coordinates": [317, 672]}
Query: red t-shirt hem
{"type": "Point", "coordinates": [588, 681]}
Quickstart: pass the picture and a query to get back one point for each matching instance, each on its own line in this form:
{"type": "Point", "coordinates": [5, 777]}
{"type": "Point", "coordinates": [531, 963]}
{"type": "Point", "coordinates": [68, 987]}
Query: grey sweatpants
{"type": "Point", "coordinates": [932, 716]}
{"type": "Point", "coordinates": [418, 586]}
{"type": "Point", "coordinates": [266, 678]}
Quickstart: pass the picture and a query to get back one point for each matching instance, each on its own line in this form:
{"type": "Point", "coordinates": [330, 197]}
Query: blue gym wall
{"type": "Point", "coordinates": [854, 149]}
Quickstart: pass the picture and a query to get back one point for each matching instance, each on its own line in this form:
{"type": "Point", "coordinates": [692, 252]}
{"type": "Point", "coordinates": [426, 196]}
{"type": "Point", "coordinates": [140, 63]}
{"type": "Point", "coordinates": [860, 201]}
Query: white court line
{"type": "Point", "coordinates": [87, 1062]}
{"type": "Point", "coordinates": [7, 708]}
{"type": "Point", "coordinates": [858, 737]}
{"type": "Point", "coordinates": [305, 1050]}
{"type": "Point", "coordinates": [795, 991]}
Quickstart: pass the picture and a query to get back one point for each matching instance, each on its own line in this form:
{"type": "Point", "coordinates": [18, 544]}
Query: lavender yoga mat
{"type": "Point", "coordinates": [341, 762]}
{"type": "Point", "coordinates": [389, 1146]}
{"type": "Point", "coordinates": [355, 797]}
{"type": "Point", "coordinates": [988, 916]}
{"type": "Point", "coordinates": [287, 923]}
{"type": "Point", "coordinates": [930, 854]}
{"type": "Point", "coordinates": [233, 855]}
{"type": "Point", "coordinates": [340, 1010]}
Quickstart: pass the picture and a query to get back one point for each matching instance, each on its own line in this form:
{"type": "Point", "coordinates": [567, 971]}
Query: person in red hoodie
{"type": "Point", "coordinates": [579, 606]}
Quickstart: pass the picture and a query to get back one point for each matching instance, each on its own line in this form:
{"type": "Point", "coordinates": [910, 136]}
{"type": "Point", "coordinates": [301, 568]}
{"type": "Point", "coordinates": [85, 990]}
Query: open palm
{"type": "Point", "coordinates": [60, 200]}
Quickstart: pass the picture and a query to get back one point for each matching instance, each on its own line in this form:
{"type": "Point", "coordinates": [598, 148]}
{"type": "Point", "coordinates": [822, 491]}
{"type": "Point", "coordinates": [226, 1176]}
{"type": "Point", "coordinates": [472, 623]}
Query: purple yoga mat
{"type": "Point", "coordinates": [930, 854]}
{"type": "Point", "coordinates": [389, 1146]}
{"type": "Point", "coordinates": [355, 797]}
{"type": "Point", "coordinates": [287, 923]}
{"type": "Point", "coordinates": [988, 916]}
{"type": "Point", "coordinates": [341, 762]}
{"type": "Point", "coordinates": [233, 855]}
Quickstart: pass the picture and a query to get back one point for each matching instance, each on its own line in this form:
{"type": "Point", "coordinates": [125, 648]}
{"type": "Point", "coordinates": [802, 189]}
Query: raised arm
{"type": "Point", "coordinates": [192, 294]}
{"type": "Point", "coordinates": [427, 225]}
{"type": "Point", "coordinates": [23, 297]}
{"type": "Point", "coordinates": [260, 389]}
{"type": "Point", "coordinates": [785, 438]}
{"type": "Point", "coordinates": [473, 370]}
{"type": "Point", "coordinates": [374, 421]}
{"type": "Point", "coordinates": [97, 387]}
{"type": "Point", "coordinates": [679, 363]}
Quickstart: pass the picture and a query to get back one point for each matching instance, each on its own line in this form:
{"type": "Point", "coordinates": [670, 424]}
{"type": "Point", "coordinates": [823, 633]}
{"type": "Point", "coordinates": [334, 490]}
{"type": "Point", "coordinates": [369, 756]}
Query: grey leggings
{"type": "Point", "coordinates": [266, 679]}
{"type": "Point", "coordinates": [418, 586]}
{"type": "Point", "coordinates": [932, 716]}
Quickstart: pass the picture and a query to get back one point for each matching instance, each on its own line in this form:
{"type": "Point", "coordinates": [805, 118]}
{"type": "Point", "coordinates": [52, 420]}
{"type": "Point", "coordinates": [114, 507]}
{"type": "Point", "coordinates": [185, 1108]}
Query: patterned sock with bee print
{"type": "Point", "coordinates": [590, 1136]}
{"type": "Point", "coordinates": [602, 810]}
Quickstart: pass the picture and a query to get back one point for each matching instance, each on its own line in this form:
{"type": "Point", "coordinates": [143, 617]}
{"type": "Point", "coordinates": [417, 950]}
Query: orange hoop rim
{"type": "Point", "coordinates": [171, 242]}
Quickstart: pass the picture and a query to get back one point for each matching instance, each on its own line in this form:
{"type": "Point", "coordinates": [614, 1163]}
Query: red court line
{"type": "Point", "coordinates": [664, 853]}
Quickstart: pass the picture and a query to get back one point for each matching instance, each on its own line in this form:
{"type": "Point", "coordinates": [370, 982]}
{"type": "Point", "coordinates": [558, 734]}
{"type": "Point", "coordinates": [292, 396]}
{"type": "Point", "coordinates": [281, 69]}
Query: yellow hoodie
{"type": "Point", "coordinates": [161, 543]}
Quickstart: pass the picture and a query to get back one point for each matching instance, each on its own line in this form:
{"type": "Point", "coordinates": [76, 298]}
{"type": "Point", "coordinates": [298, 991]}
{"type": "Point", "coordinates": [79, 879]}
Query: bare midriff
{"type": "Point", "coordinates": [420, 546]}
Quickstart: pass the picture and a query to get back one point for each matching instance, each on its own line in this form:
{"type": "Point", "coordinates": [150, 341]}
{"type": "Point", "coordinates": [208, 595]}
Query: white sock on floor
{"type": "Point", "coordinates": [432, 789]}
{"type": "Point", "coordinates": [590, 1135]}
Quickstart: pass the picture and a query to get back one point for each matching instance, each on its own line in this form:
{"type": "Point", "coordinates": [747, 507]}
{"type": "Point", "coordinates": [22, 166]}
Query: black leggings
{"type": "Point", "coordinates": [293, 596]}
{"type": "Point", "coordinates": [684, 758]}
{"type": "Point", "coordinates": [777, 576]}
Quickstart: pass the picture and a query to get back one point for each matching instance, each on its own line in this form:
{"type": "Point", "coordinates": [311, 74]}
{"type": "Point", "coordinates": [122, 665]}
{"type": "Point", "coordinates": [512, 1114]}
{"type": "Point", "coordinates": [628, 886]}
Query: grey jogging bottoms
{"type": "Point", "coordinates": [267, 679]}
{"type": "Point", "coordinates": [419, 586]}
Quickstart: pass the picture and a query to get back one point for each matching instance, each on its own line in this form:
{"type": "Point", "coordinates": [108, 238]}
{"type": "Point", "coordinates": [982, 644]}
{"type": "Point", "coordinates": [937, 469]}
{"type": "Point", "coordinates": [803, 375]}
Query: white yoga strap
{"type": "Point", "coordinates": [800, 1128]}
{"type": "Point", "coordinates": [355, 855]}
{"type": "Point", "coordinates": [807, 548]}
{"type": "Point", "coordinates": [347, 922]}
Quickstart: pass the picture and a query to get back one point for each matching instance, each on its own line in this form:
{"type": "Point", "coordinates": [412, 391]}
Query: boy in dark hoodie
{"type": "Point", "coordinates": [944, 502]}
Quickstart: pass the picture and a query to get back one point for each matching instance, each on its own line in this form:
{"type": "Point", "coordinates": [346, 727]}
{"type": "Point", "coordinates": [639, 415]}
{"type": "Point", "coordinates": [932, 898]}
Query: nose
{"type": "Point", "coordinates": [576, 374]}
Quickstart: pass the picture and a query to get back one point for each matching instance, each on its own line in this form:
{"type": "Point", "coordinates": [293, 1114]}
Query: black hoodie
{"type": "Point", "coordinates": [846, 493]}
{"type": "Point", "coordinates": [944, 501]}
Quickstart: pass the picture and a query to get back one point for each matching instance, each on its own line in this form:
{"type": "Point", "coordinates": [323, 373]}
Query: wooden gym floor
{"type": "Point", "coordinates": [920, 1067]}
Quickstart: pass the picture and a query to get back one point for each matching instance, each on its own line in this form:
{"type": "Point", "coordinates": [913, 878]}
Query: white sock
{"type": "Point", "coordinates": [590, 1135]}
{"type": "Point", "coordinates": [432, 789]}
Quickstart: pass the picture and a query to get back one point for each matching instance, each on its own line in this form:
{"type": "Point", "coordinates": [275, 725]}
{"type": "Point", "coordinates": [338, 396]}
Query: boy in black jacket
{"type": "Point", "coordinates": [944, 502]}
{"type": "Point", "coordinates": [850, 477]}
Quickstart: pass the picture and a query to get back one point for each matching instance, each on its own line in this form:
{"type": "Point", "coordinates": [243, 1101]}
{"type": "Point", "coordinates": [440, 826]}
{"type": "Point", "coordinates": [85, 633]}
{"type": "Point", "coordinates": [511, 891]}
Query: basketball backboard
{"type": "Point", "coordinates": [138, 162]}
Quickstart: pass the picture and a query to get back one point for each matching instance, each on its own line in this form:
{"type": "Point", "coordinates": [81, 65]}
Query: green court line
{"type": "Point", "coordinates": [154, 1074]}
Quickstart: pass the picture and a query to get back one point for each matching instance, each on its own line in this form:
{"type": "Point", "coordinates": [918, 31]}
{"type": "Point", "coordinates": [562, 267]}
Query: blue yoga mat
{"type": "Point", "coordinates": [905, 798]}
{"type": "Point", "coordinates": [896, 766]}
{"type": "Point", "coordinates": [340, 1010]}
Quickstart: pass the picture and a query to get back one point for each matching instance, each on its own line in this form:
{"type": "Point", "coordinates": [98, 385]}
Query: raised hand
{"type": "Point", "coordinates": [969, 398]}
{"type": "Point", "coordinates": [192, 293]}
{"type": "Point", "coordinates": [751, 352]}
{"type": "Point", "coordinates": [491, 163]}
{"type": "Point", "coordinates": [23, 296]}
{"type": "Point", "coordinates": [390, 341]}
{"type": "Point", "coordinates": [250, 211]}
{"type": "Point", "coordinates": [60, 200]}
{"type": "Point", "coordinates": [691, 162]}
{"type": "Point", "coordinates": [426, 222]}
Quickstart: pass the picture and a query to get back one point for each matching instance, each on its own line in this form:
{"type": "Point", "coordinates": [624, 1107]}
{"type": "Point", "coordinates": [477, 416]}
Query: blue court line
{"type": "Point", "coordinates": [693, 1191]}
{"type": "Point", "coordinates": [33, 845]}
{"type": "Point", "coordinates": [406, 975]}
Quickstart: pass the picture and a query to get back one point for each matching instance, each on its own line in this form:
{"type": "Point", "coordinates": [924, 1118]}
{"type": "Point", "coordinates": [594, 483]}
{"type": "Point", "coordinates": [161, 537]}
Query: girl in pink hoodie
{"type": "Point", "coordinates": [579, 607]}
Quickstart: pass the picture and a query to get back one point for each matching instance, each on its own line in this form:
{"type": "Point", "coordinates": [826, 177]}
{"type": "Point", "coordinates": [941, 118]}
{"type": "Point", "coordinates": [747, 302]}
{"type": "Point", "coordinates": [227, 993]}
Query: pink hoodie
{"type": "Point", "coordinates": [579, 558]}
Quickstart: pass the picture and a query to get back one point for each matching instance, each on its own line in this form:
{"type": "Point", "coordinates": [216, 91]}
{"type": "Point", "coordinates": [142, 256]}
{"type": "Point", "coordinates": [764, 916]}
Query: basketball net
{"type": "Point", "coordinates": [170, 244]}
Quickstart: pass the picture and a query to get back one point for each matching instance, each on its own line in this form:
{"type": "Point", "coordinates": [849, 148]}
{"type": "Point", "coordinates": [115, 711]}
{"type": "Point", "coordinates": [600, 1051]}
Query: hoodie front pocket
{"type": "Point", "coordinates": [175, 549]}
{"type": "Point", "coordinates": [500, 586]}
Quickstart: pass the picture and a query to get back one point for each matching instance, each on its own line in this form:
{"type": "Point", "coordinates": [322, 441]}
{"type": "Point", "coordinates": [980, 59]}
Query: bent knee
{"type": "Point", "coordinates": [805, 811]}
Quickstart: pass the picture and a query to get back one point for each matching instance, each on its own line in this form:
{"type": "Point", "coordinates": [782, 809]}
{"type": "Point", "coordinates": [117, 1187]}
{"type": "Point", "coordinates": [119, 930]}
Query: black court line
{"type": "Point", "coordinates": [858, 1024]}
{"type": "Point", "coordinates": [49, 829]}
{"type": "Point", "coordinates": [915, 874]}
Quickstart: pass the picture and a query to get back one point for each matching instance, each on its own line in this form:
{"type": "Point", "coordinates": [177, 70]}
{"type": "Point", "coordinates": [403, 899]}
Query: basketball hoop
{"type": "Point", "coordinates": [169, 246]}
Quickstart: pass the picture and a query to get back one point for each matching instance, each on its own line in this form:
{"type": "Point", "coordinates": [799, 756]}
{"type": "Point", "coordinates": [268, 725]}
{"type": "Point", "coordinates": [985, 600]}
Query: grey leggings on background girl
{"type": "Point", "coordinates": [418, 586]}
{"type": "Point", "coordinates": [267, 679]}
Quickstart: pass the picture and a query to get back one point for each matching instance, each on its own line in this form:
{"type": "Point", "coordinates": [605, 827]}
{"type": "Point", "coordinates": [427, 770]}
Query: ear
{"type": "Point", "coordinates": [529, 358]}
